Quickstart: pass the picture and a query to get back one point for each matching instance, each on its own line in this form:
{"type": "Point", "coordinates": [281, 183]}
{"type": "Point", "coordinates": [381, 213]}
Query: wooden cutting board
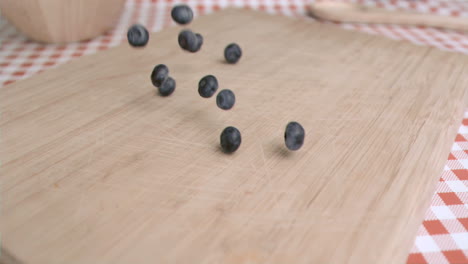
{"type": "Point", "coordinates": [97, 168]}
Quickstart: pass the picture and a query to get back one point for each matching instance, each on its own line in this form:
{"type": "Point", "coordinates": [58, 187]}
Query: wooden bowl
{"type": "Point", "coordinates": [58, 21]}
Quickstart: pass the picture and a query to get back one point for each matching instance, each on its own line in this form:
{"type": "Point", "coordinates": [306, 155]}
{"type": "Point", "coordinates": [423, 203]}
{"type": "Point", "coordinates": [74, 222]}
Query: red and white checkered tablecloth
{"type": "Point", "coordinates": [443, 235]}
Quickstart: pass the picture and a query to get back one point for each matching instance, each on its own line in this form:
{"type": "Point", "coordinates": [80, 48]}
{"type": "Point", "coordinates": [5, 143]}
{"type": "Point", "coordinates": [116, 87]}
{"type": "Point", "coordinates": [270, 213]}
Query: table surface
{"type": "Point", "coordinates": [443, 235]}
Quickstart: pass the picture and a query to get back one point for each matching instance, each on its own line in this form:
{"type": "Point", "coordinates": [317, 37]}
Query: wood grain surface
{"type": "Point", "coordinates": [98, 168]}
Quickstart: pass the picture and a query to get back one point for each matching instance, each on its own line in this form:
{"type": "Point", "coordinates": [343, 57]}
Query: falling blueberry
{"type": "Point", "coordinates": [182, 14]}
{"type": "Point", "coordinates": [230, 139]}
{"type": "Point", "coordinates": [189, 41]}
{"type": "Point", "coordinates": [232, 53]}
{"type": "Point", "coordinates": [225, 99]}
{"type": "Point", "coordinates": [294, 136]}
{"type": "Point", "coordinates": [159, 74]}
{"type": "Point", "coordinates": [207, 86]}
{"type": "Point", "coordinates": [137, 36]}
{"type": "Point", "coordinates": [167, 86]}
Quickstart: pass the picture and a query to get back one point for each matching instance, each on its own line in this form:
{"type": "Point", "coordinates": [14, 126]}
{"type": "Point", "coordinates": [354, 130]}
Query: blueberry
{"type": "Point", "coordinates": [189, 41]}
{"type": "Point", "coordinates": [232, 53]}
{"type": "Point", "coordinates": [137, 36]}
{"type": "Point", "coordinates": [182, 14]}
{"type": "Point", "coordinates": [294, 136]}
{"type": "Point", "coordinates": [207, 86]}
{"type": "Point", "coordinates": [230, 139]}
{"type": "Point", "coordinates": [225, 99]}
{"type": "Point", "coordinates": [159, 74]}
{"type": "Point", "coordinates": [167, 86]}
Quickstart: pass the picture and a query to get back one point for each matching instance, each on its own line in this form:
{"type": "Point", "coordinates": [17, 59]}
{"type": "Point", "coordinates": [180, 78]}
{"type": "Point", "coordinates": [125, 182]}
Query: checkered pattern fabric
{"type": "Point", "coordinates": [443, 235]}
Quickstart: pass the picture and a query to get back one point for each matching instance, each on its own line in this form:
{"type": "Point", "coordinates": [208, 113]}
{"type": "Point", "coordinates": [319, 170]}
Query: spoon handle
{"type": "Point", "coordinates": [356, 13]}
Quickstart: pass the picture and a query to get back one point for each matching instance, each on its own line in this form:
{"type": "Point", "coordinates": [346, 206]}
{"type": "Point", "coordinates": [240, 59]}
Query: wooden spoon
{"type": "Point", "coordinates": [350, 12]}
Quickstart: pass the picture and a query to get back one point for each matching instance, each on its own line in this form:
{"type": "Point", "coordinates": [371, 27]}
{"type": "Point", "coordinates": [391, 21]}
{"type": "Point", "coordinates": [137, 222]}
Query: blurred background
{"type": "Point", "coordinates": [104, 23]}
{"type": "Point", "coordinates": [107, 21]}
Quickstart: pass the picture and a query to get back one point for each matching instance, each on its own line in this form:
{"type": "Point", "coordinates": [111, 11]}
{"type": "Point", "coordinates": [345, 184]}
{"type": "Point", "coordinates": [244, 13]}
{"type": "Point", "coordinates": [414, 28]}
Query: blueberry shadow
{"type": "Point", "coordinates": [157, 93]}
{"type": "Point", "coordinates": [223, 61]}
{"type": "Point", "coordinates": [219, 149]}
{"type": "Point", "coordinates": [282, 151]}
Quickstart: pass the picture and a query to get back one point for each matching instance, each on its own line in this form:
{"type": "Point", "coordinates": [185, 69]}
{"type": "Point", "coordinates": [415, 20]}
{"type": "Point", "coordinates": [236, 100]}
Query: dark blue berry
{"type": "Point", "coordinates": [167, 86]}
{"type": "Point", "coordinates": [159, 74]}
{"type": "Point", "coordinates": [207, 86]}
{"type": "Point", "coordinates": [137, 36]}
{"type": "Point", "coordinates": [294, 136]}
{"type": "Point", "coordinates": [230, 139]}
{"type": "Point", "coordinates": [225, 99]}
{"type": "Point", "coordinates": [182, 14]}
{"type": "Point", "coordinates": [189, 41]}
{"type": "Point", "coordinates": [232, 53]}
